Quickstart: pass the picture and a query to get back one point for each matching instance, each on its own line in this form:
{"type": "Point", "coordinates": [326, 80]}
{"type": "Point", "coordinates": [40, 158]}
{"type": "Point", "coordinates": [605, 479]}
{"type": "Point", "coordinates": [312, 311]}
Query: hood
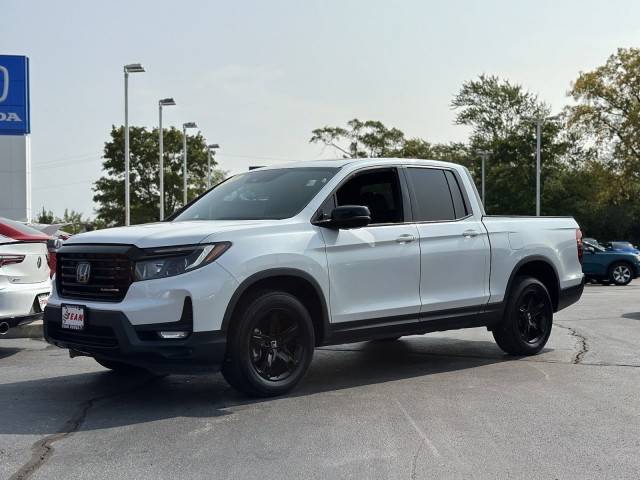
{"type": "Point", "coordinates": [163, 234]}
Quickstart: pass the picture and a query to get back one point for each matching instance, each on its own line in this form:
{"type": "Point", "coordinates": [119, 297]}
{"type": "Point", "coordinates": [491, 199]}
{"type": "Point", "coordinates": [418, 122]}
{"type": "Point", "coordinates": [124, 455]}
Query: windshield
{"type": "Point", "coordinates": [622, 246]}
{"type": "Point", "coordinates": [260, 195]}
{"type": "Point", "coordinates": [595, 246]}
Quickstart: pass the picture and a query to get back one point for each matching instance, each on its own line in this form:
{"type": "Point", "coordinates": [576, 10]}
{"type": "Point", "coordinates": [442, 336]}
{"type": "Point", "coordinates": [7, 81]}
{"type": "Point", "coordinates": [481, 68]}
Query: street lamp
{"type": "Point", "coordinates": [131, 68]}
{"type": "Point", "coordinates": [212, 147]}
{"type": "Point", "coordinates": [165, 102]}
{"type": "Point", "coordinates": [483, 156]}
{"type": "Point", "coordinates": [539, 120]}
{"type": "Point", "coordinates": [184, 156]}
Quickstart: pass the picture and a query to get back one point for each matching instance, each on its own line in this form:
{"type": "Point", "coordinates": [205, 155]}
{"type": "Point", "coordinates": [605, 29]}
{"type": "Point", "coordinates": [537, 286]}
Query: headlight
{"type": "Point", "coordinates": [171, 261]}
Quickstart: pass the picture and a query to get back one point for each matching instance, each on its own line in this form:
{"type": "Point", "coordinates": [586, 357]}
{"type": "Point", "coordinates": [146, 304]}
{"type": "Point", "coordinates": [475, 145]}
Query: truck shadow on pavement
{"type": "Point", "coordinates": [100, 400]}
{"type": "Point", "coordinates": [7, 352]}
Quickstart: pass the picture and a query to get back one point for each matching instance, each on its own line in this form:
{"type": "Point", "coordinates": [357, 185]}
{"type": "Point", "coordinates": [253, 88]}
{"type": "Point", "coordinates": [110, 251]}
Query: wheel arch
{"type": "Point", "coordinates": [298, 283]}
{"type": "Point", "coordinates": [541, 268]}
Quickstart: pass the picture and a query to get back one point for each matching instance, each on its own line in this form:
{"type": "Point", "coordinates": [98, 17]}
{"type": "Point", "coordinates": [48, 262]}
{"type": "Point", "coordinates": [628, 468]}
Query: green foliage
{"type": "Point", "coordinates": [606, 125]}
{"type": "Point", "coordinates": [74, 222]}
{"type": "Point", "coordinates": [363, 139]}
{"type": "Point", "coordinates": [45, 217]}
{"type": "Point", "coordinates": [502, 117]}
{"type": "Point", "coordinates": [590, 154]}
{"type": "Point", "coordinates": [144, 176]}
{"type": "Point", "coordinates": [608, 109]}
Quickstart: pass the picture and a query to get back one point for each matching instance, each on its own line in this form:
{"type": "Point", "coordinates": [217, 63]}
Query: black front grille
{"type": "Point", "coordinates": [109, 278]}
{"type": "Point", "coordinates": [91, 336]}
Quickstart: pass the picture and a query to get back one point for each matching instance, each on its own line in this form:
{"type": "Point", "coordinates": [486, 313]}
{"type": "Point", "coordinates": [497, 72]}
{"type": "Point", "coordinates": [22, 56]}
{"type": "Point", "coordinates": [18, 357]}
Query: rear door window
{"type": "Point", "coordinates": [431, 195]}
{"type": "Point", "coordinates": [456, 194]}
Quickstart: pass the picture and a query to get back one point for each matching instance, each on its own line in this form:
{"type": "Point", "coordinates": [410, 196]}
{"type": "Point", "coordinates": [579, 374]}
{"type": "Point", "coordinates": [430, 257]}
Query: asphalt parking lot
{"type": "Point", "coordinates": [445, 405]}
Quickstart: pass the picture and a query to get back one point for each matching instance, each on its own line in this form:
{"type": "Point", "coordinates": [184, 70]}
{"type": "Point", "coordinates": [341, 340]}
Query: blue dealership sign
{"type": "Point", "coordinates": [14, 95]}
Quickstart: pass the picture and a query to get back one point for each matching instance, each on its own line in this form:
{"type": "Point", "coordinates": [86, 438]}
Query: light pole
{"type": "Point", "coordinates": [212, 147]}
{"type": "Point", "coordinates": [184, 157]}
{"type": "Point", "coordinates": [483, 156]}
{"type": "Point", "coordinates": [131, 68]}
{"type": "Point", "coordinates": [165, 102]}
{"type": "Point", "coordinates": [539, 120]}
{"type": "Point", "coordinates": [538, 142]}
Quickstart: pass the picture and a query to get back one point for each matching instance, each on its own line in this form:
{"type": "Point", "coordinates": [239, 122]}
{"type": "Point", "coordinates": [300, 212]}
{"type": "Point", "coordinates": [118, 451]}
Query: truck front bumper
{"type": "Point", "coordinates": [109, 335]}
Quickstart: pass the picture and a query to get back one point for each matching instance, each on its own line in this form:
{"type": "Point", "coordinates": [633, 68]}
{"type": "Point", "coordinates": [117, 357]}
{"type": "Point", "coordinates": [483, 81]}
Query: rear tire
{"type": "Point", "coordinates": [620, 273]}
{"type": "Point", "coordinates": [123, 369]}
{"type": "Point", "coordinates": [270, 345]}
{"type": "Point", "coordinates": [527, 320]}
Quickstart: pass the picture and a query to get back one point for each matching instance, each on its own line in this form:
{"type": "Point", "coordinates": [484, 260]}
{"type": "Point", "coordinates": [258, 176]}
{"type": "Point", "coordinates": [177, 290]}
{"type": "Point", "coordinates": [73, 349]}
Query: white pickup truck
{"type": "Point", "coordinates": [269, 264]}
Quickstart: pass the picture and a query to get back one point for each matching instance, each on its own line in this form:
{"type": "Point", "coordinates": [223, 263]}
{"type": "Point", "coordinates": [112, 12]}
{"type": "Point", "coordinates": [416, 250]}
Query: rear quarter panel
{"type": "Point", "coordinates": [516, 239]}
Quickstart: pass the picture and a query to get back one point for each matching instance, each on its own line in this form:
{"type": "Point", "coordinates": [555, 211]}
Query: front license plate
{"type": "Point", "coordinates": [73, 317]}
{"type": "Point", "coordinates": [43, 298]}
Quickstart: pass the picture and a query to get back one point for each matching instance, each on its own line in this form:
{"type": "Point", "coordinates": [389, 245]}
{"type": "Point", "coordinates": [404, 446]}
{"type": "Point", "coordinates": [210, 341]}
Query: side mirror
{"type": "Point", "coordinates": [350, 216]}
{"type": "Point", "coordinates": [590, 250]}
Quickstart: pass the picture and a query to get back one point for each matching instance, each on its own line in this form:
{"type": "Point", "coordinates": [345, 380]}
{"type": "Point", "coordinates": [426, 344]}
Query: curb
{"type": "Point", "coordinates": [30, 330]}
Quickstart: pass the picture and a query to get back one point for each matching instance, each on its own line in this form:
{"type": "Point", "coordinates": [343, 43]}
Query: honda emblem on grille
{"type": "Point", "coordinates": [83, 270]}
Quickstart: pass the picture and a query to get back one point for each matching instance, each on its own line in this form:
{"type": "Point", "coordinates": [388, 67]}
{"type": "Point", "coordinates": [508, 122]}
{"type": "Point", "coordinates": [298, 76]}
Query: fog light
{"type": "Point", "coordinates": [173, 335]}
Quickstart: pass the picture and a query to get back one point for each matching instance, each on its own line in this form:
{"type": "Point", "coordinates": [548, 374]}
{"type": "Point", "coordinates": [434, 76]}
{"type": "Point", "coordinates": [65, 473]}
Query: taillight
{"type": "Point", "coordinates": [579, 244]}
{"type": "Point", "coordinates": [10, 259]}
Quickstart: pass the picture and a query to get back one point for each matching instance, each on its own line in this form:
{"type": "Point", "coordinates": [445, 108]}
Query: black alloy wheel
{"type": "Point", "coordinates": [527, 320]}
{"type": "Point", "coordinates": [533, 317]}
{"type": "Point", "coordinates": [276, 345]}
{"type": "Point", "coordinates": [269, 345]}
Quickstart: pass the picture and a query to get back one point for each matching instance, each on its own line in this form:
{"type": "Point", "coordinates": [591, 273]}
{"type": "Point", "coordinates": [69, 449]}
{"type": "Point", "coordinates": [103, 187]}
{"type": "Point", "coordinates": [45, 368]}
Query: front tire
{"type": "Point", "coordinates": [528, 318]}
{"type": "Point", "coordinates": [620, 273]}
{"type": "Point", "coordinates": [270, 345]}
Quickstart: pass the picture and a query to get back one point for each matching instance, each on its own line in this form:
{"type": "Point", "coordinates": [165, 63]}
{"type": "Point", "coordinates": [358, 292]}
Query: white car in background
{"type": "Point", "coordinates": [24, 274]}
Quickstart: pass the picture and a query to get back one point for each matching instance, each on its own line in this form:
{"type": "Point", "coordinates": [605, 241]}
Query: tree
{"type": "Point", "coordinates": [363, 139]}
{"type": "Point", "coordinates": [373, 139]}
{"type": "Point", "coordinates": [608, 109]}
{"type": "Point", "coordinates": [144, 174]}
{"type": "Point", "coordinates": [74, 222]}
{"type": "Point", "coordinates": [501, 115]}
{"type": "Point", "coordinates": [45, 217]}
{"type": "Point", "coordinates": [606, 124]}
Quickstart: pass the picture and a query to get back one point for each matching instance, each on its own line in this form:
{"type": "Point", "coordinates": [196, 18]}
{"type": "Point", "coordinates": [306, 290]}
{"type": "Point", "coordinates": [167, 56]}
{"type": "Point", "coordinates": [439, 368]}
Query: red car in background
{"type": "Point", "coordinates": [25, 283]}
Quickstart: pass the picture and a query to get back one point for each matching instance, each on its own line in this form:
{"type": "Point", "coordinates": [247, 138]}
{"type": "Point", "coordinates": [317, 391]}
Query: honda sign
{"type": "Point", "coordinates": [14, 95]}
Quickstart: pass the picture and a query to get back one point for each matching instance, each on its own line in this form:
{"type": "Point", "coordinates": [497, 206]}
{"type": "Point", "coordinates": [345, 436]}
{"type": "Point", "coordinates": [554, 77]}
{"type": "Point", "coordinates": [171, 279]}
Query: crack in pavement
{"type": "Point", "coordinates": [425, 439]}
{"type": "Point", "coordinates": [583, 347]}
{"type": "Point", "coordinates": [414, 463]}
{"type": "Point", "coordinates": [42, 450]}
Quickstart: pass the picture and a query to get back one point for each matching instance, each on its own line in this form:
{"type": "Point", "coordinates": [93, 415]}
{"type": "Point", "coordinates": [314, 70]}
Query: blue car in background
{"type": "Point", "coordinates": [620, 246]}
{"type": "Point", "coordinates": [607, 265]}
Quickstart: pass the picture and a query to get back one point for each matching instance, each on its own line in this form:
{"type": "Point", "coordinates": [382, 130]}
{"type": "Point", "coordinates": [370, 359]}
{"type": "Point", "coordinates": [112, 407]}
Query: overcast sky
{"type": "Point", "coordinates": [258, 76]}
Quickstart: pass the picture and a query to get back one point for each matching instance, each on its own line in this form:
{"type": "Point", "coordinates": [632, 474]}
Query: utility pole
{"type": "Point", "coordinates": [131, 68]}
{"type": "Point", "coordinates": [483, 156]}
{"type": "Point", "coordinates": [184, 158]}
{"type": "Point", "coordinates": [165, 102]}
{"type": "Point", "coordinates": [212, 148]}
{"type": "Point", "coordinates": [538, 143]}
{"type": "Point", "coordinates": [538, 121]}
